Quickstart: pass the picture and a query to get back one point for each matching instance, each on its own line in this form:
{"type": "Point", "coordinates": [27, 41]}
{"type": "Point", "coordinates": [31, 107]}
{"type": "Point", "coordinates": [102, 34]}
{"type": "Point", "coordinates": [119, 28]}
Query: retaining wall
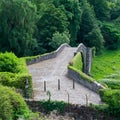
{"type": "Point", "coordinates": [48, 55]}
{"type": "Point", "coordinates": [92, 85]}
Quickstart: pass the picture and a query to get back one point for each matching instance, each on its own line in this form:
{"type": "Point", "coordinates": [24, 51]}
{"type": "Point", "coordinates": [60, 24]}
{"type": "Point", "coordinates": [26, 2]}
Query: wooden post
{"type": "Point", "coordinates": [58, 84]}
{"type": "Point", "coordinates": [73, 84]}
{"type": "Point", "coordinates": [68, 99]}
{"type": "Point", "coordinates": [86, 100]}
{"type": "Point", "coordinates": [44, 86]}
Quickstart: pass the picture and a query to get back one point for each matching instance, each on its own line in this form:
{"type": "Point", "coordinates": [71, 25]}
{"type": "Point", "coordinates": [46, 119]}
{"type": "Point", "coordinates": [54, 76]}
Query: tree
{"type": "Point", "coordinates": [59, 38]}
{"type": "Point", "coordinates": [73, 12]}
{"type": "Point", "coordinates": [52, 20]}
{"type": "Point", "coordinates": [90, 33]}
{"type": "Point", "coordinates": [102, 10]}
{"type": "Point", "coordinates": [111, 36]}
{"type": "Point", "coordinates": [17, 27]}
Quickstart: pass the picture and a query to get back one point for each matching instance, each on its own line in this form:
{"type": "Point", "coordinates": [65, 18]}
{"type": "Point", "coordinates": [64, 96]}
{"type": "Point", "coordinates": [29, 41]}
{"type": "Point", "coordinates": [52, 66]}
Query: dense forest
{"type": "Point", "coordinates": [31, 27]}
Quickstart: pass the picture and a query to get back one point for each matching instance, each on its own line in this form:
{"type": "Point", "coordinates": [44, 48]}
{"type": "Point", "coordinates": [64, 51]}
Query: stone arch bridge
{"type": "Point", "coordinates": [52, 68]}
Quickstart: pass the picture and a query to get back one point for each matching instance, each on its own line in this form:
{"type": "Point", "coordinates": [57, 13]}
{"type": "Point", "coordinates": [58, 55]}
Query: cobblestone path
{"type": "Point", "coordinates": [53, 69]}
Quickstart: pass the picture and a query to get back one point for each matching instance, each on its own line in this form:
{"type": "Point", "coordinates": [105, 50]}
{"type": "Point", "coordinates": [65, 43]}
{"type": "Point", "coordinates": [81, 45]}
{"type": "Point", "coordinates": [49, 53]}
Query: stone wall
{"type": "Point", "coordinates": [92, 85]}
{"type": "Point", "coordinates": [48, 55]}
{"type": "Point", "coordinates": [87, 57]}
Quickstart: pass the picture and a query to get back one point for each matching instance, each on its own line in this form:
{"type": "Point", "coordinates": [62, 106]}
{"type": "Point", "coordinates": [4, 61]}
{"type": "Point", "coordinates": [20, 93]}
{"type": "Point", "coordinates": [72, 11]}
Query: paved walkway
{"type": "Point", "coordinates": [53, 69]}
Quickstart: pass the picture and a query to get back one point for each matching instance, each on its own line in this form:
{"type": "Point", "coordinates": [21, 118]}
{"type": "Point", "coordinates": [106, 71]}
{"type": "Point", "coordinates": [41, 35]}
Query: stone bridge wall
{"type": "Point", "coordinates": [92, 85]}
{"type": "Point", "coordinates": [87, 57]}
{"type": "Point", "coordinates": [86, 53]}
{"type": "Point", "coordinates": [48, 55]}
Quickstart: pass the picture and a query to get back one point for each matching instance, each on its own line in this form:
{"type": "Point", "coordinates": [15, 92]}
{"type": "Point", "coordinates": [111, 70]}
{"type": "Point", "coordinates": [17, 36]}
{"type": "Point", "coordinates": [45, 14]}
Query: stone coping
{"type": "Point", "coordinates": [48, 55]}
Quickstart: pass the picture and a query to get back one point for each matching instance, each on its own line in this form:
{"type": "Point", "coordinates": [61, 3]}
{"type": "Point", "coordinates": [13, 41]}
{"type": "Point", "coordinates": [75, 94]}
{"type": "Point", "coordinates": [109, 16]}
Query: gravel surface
{"type": "Point", "coordinates": [53, 69]}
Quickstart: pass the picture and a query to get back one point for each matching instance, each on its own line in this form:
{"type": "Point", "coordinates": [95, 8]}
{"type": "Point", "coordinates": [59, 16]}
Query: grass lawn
{"type": "Point", "coordinates": [106, 66]}
{"type": "Point", "coordinates": [77, 61]}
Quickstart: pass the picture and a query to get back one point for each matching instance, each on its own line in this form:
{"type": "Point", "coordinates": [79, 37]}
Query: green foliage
{"type": "Point", "coordinates": [72, 9]}
{"type": "Point", "coordinates": [77, 65]}
{"type": "Point", "coordinates": [13, 72]}
{"type": "Point", "coordinates": [106, 64]}
{"type": "Point", "coordinates": [115, 12]}
{"type": "Point", "coordinates": [53, 105]}
{"type": "Point", "coordinates": [9, 63]}
{"type": "Point", "coordinates": [90, 33]}
{"type": "Point", "coordinates": [59, 38]}
{"type": "Point", "coordinates": [82, 75]}
{"type": "Point", "coordinates": [76, 62]}
{"type": "Point", "coordinates": [112, 98]}
{"type": "Point", "coordinates": [12, 105]}
{"type": "Point", "coordinates": [49, 95]}
{"type": "Point", "coordinates": [101, 107]}
{"type": "Point", "coordinates": [16, 80]}
{"type": "Point", "coordinates": [111, 36]}
{"type": "Point", "coordinates": [101, 9]}
{"type": "Point", "coordinates": [54, 20]}
{"type": "Point", "coordinates": [17, 27]}
{"type": "Point", "coordinates": [113, 84]}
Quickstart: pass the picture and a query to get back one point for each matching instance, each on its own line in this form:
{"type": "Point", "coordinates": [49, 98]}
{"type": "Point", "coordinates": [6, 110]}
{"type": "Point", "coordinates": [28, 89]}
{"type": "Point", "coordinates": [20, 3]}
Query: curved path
{"type": "Point", "coordinates": [53, 69]}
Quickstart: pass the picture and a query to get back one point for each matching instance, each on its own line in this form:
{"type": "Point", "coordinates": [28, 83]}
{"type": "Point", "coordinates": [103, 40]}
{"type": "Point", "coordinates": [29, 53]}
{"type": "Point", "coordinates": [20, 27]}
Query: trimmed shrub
{"type": "Point", "coordinates": [9, 62]}
{"type": "Point", "coordinates": [12, 105]}
{"type": "Point", "coordinates": [13, 73]}
{"type": "Point", "coordinates": [16, 80]}
{"type": "Point", "coordinates": [112, 98]}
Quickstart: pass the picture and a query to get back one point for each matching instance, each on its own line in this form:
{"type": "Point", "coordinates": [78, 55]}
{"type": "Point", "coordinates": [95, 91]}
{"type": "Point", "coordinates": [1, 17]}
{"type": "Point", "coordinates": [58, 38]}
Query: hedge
{"type": "Point", "coordinates": [14, 72]}
{"type": "Point", "coordinates": [17, 81]}
{"type": "Point", "coordinates": [12, 105]}
{"type": "Point", "coordinates": [112, 98]}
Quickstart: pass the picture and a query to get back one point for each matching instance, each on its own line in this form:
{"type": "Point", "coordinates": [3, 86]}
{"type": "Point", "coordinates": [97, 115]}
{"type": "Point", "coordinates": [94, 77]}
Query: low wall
{"type": "Point", "coordinates": [92, 85]}
{"type": "Point", "coordinates": [48, 55]}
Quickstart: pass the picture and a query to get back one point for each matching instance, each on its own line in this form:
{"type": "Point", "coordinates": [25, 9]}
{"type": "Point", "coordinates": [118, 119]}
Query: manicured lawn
{"type": "Point", "coordinates": [106, 65]}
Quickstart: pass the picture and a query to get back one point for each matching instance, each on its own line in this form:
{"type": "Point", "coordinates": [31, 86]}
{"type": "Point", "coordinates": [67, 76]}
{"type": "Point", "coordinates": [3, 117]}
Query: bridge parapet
{"type": "Point", "coordinates": [48, 55]}
{"type": "Point", "coordinates": [86, 53]}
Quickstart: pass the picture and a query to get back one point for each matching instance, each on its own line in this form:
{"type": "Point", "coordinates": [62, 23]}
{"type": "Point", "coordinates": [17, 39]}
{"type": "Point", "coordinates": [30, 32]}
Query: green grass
{"type": "Point", "coordinates": [82, 75]}
{"type": "Point", "coordinates": [106, 65]}
{"type": "Point", "coordinates": [76, 65]}
{"type": "Point", "coordinates": [76, 62]}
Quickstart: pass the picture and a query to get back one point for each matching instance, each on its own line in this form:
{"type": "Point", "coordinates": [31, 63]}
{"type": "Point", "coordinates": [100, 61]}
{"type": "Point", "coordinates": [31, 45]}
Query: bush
{"type": "Point", "coordinates": [16, 80]}
{"type": "Point", "coordinates": [12, 105]}
{"type": "Point", "coordinates": [112, 98]}
{"type": "Point", "coordinates": [113, 84]}
{"type": "Point", "coordinates": [13, 72]}
{"type": "Point", "coordinates": [9, 62]}
{"type": "Point", "coordinates": [53, 105]}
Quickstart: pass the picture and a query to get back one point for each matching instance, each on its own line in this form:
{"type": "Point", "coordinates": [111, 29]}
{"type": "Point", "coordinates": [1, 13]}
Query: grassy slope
{"type": "Point", "coordinates": [77, 62]}
{"type": "Point", "coordinates": [106, 65]}
{"type": "Point", "coordinates": [76, 65]}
